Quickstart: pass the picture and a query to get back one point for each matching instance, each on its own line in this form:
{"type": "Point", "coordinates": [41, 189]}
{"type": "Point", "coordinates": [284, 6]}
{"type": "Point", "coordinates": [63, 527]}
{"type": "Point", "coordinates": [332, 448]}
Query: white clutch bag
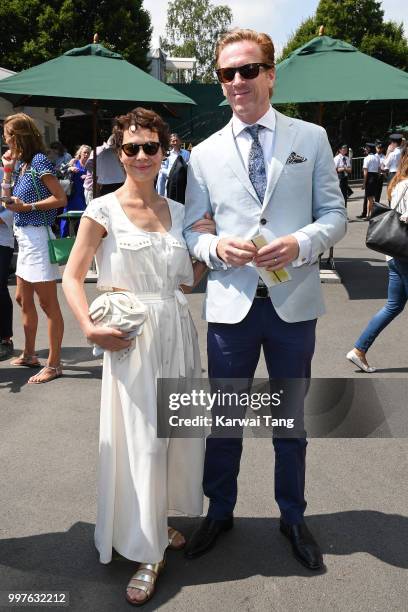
{"type": "Point", "coordinates": [121, 310]}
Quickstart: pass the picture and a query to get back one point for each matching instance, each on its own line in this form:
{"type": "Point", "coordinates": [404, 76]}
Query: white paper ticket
{"type": "Point", "coordinates": [269, 277]}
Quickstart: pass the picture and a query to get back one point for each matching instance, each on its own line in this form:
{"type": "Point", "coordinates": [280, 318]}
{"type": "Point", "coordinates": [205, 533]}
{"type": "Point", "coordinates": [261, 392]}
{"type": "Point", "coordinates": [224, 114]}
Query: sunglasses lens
{"type": "Point", "coordinates": [151, 148]}
{"type": "Point", "coordinates": [250, 71]}
{"type": "Point", "coordinates": [130, 149]}
{"type": "Point", "coordinates": [226, 75]}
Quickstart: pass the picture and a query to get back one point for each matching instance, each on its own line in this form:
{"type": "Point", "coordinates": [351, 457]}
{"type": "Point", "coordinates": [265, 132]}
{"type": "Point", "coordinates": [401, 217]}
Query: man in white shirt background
{"type": "Point", "coordinates": [168, 163]}
{"type": "Point", "coordinates": [342, 163]}
{"type": "Point", "coordinates": [380, 153]}
{"type": "Point", "coordinates": [109, 170]}
{"type": "Point", "coordinates": [393, 156]}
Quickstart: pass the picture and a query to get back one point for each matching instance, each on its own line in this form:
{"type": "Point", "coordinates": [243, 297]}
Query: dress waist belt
{"type": "Point", "coordinates": [155, 297]}
{"type": "Point", "coordinates": [185, 350]}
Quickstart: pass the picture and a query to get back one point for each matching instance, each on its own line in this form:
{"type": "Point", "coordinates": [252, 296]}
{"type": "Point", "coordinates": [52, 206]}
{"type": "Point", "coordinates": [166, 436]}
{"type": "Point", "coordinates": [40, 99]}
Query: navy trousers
{"type": "Point", "coordinates": [233, 352]}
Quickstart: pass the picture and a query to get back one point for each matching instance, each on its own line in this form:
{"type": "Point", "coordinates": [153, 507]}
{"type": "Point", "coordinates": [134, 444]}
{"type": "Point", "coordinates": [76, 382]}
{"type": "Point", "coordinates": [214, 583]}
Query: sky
{"type": "Point", "coordinates": [279, 18]}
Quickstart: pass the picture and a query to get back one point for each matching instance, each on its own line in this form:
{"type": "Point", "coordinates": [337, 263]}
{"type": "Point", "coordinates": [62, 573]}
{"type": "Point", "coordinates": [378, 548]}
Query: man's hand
{"type": "Point", "coordinates": [236, 251]}
{"type": "Point", "coordinates": [278, 253]}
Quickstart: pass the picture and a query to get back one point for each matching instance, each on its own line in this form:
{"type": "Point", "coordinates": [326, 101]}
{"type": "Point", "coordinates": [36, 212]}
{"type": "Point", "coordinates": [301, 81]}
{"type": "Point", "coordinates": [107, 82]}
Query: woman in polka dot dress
{"type": "Point", "coordinates": [35, 273]}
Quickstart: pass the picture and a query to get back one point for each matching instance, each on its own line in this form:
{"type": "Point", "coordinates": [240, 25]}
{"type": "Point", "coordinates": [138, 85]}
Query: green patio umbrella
{"type": "Point", "coordinates": [88, 78]}
{"type": "Point", "coordinates": [329, 70]}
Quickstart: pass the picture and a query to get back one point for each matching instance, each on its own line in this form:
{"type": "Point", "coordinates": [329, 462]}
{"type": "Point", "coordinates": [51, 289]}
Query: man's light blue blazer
{"type": "Point", "coordinates": [299, 196]}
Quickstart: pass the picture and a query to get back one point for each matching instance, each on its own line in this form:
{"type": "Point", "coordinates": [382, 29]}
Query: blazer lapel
{"type": "Point", "coordinates": [284, 136]}
{"type": "Point", "coordinates": [235, 162]}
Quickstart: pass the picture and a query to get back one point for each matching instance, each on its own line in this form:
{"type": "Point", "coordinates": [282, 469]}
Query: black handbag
{"type": "Point", "coordinates": [386, 233]}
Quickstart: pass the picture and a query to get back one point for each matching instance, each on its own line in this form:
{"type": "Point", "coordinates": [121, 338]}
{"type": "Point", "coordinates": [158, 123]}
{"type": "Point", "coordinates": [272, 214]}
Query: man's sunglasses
{"type": "Point", "coordinates": [131, 148]}
{"type": "Point", "coordinates": [249, 71]}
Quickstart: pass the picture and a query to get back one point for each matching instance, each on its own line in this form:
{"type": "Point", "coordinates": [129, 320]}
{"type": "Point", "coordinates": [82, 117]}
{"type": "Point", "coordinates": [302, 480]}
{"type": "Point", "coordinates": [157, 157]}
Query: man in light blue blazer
{"type": "Point", "coordinates": [271, 174]}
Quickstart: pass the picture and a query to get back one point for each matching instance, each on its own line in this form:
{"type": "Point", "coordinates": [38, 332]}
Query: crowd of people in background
{"type": "Point", "coordinates": [380, 165]}
{"type": "Point", "coordinates": [39, 185]}
{"type": "Point", "coordinates": [75, 177]}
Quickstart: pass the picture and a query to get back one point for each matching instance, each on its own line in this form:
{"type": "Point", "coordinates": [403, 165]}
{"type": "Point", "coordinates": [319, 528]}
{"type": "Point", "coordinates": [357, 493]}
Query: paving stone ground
{"type": "Point", "coordinates": [356, 488]}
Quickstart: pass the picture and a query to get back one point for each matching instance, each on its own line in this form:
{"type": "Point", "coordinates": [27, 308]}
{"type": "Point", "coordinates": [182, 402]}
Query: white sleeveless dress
{"type": "Point", "coordinates": [143, 479]}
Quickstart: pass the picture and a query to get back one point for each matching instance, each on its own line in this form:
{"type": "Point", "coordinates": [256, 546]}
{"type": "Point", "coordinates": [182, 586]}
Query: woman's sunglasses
{"type": "Point", "coordinates": [131, 148]}
{"type": "Point", "coordinates": [249, 71]}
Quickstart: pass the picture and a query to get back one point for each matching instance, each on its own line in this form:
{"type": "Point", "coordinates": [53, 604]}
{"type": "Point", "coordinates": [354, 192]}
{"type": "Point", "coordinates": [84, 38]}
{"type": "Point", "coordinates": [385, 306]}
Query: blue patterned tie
{"type": "Point", "coordinates": [256, 162]}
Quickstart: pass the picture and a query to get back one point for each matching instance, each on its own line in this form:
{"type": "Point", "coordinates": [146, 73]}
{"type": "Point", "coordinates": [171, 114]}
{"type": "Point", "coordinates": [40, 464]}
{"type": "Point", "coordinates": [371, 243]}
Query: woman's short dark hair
{"type": "Point", "coordinates": [143, 118]}
{"type": "Point", "coordinates": [28, 139]}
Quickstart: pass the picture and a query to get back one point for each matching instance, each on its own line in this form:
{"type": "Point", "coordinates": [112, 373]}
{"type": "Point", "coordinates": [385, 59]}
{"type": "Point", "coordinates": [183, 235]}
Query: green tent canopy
{"type": "Point", "coordinates": [82, 75]}
{"type": "Point", "coordinates": [329, 70]}
{"type": "Point", "coordinates": [88, 78]}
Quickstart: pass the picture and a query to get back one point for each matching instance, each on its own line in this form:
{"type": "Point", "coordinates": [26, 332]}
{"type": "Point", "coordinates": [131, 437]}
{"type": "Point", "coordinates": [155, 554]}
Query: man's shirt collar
{"type": "Point", "coordinates": [268, 120]}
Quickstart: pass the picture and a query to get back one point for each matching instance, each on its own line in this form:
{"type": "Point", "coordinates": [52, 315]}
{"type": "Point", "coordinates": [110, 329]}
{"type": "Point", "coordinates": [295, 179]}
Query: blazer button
{"type": "Point", "coordinates": [263, 221]}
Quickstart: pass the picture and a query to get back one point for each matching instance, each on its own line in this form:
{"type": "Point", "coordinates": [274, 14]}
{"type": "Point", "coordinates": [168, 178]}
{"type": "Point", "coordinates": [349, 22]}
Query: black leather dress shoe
{"type": "Point", "coordinates": [305, 548]}
{"type": "Point", "coordinates": [204, 538]}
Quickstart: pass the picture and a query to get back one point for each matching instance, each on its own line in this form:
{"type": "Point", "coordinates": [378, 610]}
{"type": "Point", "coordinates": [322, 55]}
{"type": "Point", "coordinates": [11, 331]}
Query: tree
{"type": "Point", "coordinates": [389, 45]}
{"type": "Point", "coordinates": [358, 22]}
{"type": "Point", "coordinates": [32, 32]}
{"type": "Point", "coordinates": [192, 30]}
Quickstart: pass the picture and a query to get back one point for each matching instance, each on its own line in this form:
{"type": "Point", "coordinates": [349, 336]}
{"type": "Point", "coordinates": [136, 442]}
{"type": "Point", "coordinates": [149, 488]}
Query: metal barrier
{"type": "Point", "coordinates": [357, 168]}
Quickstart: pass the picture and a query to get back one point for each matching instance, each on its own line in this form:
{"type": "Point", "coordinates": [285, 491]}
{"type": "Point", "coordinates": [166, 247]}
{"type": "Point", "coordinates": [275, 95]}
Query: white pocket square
{"type": "Point", "coordinates": [294, 158]}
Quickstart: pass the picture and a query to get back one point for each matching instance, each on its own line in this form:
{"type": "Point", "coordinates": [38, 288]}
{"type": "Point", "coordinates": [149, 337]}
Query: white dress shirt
{"type": "Point", "coordinates": [267, 140]}
{"type": "Point", "coordinates": [342, 161]}
{"type": "Point", "coordinates": [371, 163]}
{"type": "Point", "coordinates": [392, 160]}
{"type": "Point", "coordinates": [381, 159]}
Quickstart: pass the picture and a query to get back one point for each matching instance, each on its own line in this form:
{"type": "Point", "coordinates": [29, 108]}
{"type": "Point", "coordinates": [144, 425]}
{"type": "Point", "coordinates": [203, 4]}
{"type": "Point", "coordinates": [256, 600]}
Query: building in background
{"type": "Point", "coordinates": [171, 69]}
{"type": "Point", "coordinates": [45, 118]}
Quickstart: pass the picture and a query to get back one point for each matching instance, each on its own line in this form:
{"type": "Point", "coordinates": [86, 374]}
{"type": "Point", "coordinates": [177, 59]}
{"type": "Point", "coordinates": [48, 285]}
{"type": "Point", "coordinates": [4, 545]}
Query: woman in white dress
{"type": "Point", "coordinates": [137, 238]}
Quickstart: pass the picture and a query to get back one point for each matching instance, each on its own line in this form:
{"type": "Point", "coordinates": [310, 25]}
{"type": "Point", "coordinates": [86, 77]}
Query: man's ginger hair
{"type": "Point", "coordinates": [239, 34]}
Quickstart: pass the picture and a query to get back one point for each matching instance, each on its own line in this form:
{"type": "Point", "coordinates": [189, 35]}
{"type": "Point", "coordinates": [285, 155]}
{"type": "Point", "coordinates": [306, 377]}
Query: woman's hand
{"type": "Point", "coordinates": [18, 205]}
{"type": "Point", "coordinates": [8, 161]}
{"type": "Point", "coordinates": [107, 338]}
{"type": "Point", "coordinates": [199, 270]}
{"type": "Point", "coordinates": [206, 225]}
